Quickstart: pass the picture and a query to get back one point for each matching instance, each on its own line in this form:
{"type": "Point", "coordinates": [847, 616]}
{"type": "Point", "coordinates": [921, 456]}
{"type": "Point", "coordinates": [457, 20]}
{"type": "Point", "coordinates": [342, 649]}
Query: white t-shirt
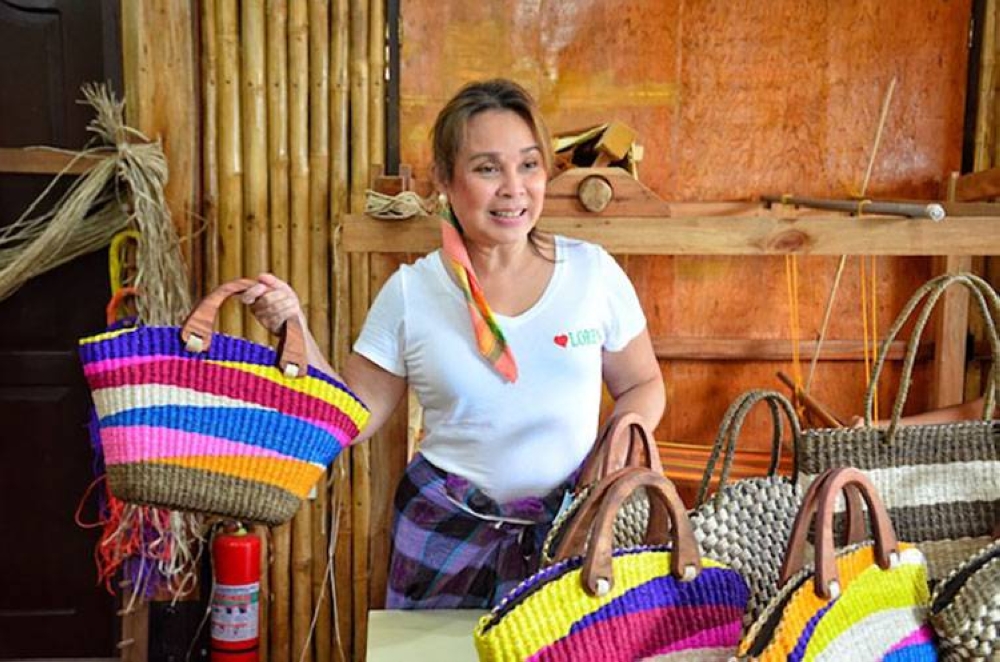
{"type": "Point", "coordinates": [510, 440]}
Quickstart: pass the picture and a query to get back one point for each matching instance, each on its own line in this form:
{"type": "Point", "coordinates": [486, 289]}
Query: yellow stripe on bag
{"type": "Point", "coordinates": [871, 591]}
{"type": "Point", "coordinates": [549, 614]}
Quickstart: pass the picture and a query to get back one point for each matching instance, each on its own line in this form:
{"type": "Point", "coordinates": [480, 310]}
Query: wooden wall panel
{"type": "Point", "coordinates": [731, 100]}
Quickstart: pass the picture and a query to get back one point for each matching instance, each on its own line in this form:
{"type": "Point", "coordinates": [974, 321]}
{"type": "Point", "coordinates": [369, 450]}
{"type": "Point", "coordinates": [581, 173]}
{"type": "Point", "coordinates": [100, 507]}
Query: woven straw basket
{"type": "Point", "coordinates": [192, 420]}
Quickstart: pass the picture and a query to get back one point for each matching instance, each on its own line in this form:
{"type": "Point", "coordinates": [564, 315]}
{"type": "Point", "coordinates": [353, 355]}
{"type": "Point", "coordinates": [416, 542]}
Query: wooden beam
{"type": "Point", "coordinates": [950, 331]}
{"type": "Point", "coordinates": [159, 62]}
{"type": "Point", "coordinates": [982, 185]}
{"type": "Point", "coordinates": [758, 232]}
{"type": "Point", "coordinates": [768, 349]}
{"type": "Point", "coordinates": [33, 161]}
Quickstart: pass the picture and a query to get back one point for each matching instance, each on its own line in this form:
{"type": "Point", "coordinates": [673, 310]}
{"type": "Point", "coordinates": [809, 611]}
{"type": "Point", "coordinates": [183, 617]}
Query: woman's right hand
{"type": "Point", "coordinates": [273, 301]}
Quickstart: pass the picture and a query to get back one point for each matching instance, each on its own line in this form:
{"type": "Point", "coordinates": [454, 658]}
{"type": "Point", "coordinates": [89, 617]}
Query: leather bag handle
{"type": "Point", "coordinates": [625, 442]}
{"type": "Point", "coordinates": [855, 530]}
{"type": "Point", "coordinates": [667, 520]}
{"type": "Point", "coordinates": [729, 432]}
{"type": "Point", "coordinates": [197, 330]}
{"type": "Point", "coordinates": [988, 302]}
{"type": "Point", "coordinates": [828, 486]}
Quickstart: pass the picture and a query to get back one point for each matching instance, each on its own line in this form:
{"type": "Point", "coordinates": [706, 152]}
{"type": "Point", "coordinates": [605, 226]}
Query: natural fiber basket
{"type": "Point", "coordinates": [965, 608]}
{"type": "Point", "coordinates": [192, 420]}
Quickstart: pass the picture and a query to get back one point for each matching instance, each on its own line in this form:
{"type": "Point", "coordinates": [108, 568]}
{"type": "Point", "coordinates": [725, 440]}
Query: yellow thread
{"type": "Point", "coordinates": [864, 319]}
{"type": "Point", "coordinates": [792, 284]}
{"type": "Point", "coordinates": [115, 258]}
{"type": "Point", "coordinates": [785, 197]}
{"type": "Point", "coordinates": [874, 310]}
{"type": "Point", "coordinates": [861, 206]}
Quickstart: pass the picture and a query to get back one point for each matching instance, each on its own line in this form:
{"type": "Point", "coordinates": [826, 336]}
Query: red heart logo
{"type": "Point", "coordinates": [561, 340]}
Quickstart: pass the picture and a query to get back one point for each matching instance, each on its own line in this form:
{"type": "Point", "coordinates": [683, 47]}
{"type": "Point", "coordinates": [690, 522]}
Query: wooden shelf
{"type": "Point", "coordinates": [719, 229]}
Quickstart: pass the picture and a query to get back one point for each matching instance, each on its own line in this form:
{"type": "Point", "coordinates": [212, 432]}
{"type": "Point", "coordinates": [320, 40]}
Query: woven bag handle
{"type": "Point", "coordinates": [989, 306]}
{"type": "Point", "coordinates": [196, 333]}
{"type": "Point", "coordinates": [667, 519]}
{"type": "Point", "coordinates": [116, 301]}
{"type": "Point", "coordinates": [729, 432]}
{"type": "Point", "coordinates": [828, 487]}
{"type": "Point", "coordinates": [625, 442]}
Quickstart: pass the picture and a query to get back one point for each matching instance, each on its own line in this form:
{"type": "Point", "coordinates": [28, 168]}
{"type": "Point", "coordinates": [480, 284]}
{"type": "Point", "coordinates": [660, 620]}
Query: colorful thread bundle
{"type": "Point", "coordinates": [223, 431]}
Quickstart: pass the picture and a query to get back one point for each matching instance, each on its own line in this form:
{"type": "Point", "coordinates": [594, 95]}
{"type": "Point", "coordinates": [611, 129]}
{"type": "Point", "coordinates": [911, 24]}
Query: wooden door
{"type": "Point", "coordinates": [50, 603]}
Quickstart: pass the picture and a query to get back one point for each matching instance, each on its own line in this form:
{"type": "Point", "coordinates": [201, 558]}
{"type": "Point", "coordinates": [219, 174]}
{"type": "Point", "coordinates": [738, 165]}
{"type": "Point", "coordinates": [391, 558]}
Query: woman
{"type": "Point", "coordinates": [511, 389]}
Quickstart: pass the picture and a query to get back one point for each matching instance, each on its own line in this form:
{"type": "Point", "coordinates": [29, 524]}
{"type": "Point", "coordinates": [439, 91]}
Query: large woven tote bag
{"type": "Point", "coordinates": [965, 607]}
{"type": "Point", "coordinates": [940, 482]}
{"type": "Point", "coordinates": [200, 421]}
{"type": "Point", "coordinates": [620, 605]}
{"type": "Point", "coordinates": [746, 524]}
{"type": "Point", "coordinates": [625, 442]}
{"type": "Point", "coordinates": [867, 601]}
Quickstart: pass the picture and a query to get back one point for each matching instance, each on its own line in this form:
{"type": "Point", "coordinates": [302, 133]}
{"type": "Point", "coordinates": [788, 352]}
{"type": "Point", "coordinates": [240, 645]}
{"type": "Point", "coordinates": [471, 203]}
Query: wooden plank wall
{"type": "Point", "coordinates": [731, 101]}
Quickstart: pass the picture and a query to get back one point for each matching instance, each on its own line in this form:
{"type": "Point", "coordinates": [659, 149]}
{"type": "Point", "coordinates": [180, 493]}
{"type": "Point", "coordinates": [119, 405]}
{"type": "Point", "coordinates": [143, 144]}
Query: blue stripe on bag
{"type": "Point", "coordinates": [257, 427]}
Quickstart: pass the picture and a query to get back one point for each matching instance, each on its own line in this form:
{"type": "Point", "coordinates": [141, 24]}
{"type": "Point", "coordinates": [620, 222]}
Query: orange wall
{"type": "Point", "coordinates": [731, 100]}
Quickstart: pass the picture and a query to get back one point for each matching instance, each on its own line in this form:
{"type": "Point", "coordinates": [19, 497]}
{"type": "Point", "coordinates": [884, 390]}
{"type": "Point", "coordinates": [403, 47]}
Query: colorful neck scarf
{"type": "Point", "coordinates": [489, 336]}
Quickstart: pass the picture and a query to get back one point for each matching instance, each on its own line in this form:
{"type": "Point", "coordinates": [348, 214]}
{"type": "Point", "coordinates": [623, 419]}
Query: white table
{"type": "Point", "coordinates": [418, 635]}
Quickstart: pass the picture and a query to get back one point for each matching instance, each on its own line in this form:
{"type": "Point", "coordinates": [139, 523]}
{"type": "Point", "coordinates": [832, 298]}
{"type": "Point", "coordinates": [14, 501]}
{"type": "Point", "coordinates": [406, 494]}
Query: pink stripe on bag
{"type": "Point", "coordinates": [228, 382]}
{"type": "Point", "coordinates": [170, 443]}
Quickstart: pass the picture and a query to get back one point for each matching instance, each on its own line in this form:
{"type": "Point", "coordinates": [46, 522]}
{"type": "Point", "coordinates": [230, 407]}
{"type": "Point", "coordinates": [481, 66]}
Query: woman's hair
{"type": "Point", "coordinates": [474, 98]}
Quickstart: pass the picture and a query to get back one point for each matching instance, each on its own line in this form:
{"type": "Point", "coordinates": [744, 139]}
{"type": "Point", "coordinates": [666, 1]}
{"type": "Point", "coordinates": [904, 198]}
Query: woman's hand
{"type": "Point", "coordinates": [273, 301]}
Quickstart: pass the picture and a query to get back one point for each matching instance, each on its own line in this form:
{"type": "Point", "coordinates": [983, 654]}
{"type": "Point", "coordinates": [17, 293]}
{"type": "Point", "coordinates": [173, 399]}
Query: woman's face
{"type": "Point", "coordinates": [498, 185]}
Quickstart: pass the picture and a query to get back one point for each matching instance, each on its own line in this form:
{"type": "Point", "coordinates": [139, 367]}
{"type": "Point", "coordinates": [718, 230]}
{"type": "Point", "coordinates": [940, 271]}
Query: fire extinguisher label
{"type": "Point", "coordinates": [235, 612]}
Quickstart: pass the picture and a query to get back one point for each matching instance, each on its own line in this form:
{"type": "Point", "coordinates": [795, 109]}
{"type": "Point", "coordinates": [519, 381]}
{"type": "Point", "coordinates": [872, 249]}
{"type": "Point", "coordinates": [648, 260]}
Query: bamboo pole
{"type": "Point", "coordinates": [319, 171]}
{"type": "Point", "coordinates": [298, 146]}
{"type": "Point", "coordinates": [255, 202]}
{"type": "Point", "coordinates": [266, 598]}
{"type": "Point", "coordinates": [230, 159]}
{"type": "Point", "coordinates": [280, 644]}
{"type": "Point", "coordinates": [986, 117]}
{"type": "Point", "coordinates": [277, 134]}
{"type": "Point", "coordinates": [210, 147]}
{"type": "Point", "coordinates": [321, 635]}
{"type": "Point", "coordinates": [361, 455]}
{"type": "Point", "coordinates": [302, 582]}
{"type": "Point", "coordinates": [280, 571]}
{"type": "Point", "coordinates": [931, 210]}
{"type": "Point", "coordinates": [341, 599]}
{"type": "Point", "coordinates": [376, 82]}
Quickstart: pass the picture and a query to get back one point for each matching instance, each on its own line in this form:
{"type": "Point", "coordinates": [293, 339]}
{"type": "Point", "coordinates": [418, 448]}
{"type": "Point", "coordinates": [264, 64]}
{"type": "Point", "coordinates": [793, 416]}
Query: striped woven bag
{"type": "Point", "coordinates": [867, 601]}
{"type": "Point", "coordinates": [940, 482]}
{"type": "Point", "coordinates": [649, 602]}
{"type": "Point", "coordinates": [965, 607]}
{"type": "Point", "coordinates": [625, 442]}
{"type": "Point", "coordinates": [198, 421]}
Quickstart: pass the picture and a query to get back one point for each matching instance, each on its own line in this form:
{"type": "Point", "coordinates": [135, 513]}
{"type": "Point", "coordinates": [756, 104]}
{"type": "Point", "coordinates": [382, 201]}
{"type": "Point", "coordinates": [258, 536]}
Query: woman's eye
{"type": "Point", "coordinates": [486, 169]}
{"type": "Point", "coordinates": [530, 165]}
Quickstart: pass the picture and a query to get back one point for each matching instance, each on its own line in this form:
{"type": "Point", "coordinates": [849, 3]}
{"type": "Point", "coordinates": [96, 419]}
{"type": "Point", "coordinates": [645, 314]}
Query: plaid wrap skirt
{"type": "Point", "coordinates": [454, 547]}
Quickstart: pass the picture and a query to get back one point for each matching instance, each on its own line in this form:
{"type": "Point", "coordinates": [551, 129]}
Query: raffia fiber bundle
{"type": "Point", "coordinates": [124, 188]}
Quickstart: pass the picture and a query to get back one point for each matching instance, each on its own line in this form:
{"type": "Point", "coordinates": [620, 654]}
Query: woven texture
{"type": "Point", "coordinates": [747, 523]}
{"type": "Point", "coordinates": [629, 528]}
{"type": "Point", "coordinates": [747, 528]}
{"type": "Point", "coordinates": [880, 614]}
{"type": "Point", "coordinates": [222, 432]}
{"type": "Point", "coordinates": [939, 481]}
{"type": "Point", "coordinates": [965, 608]}
{"type": "Point", "coordinates": [597, 603]}
{"type": "Point", "coordinates": [647, 613]}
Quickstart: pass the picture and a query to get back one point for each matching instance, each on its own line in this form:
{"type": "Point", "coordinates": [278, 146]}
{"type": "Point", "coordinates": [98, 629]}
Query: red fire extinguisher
{"type": "Point", "coordinates": [236, 599]}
